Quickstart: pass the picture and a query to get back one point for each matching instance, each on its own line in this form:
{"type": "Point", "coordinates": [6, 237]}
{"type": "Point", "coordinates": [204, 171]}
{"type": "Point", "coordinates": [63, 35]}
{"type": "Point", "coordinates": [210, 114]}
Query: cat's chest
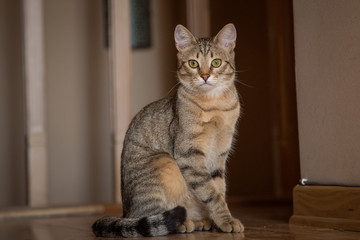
{"type": "Point", "coordinates": [218, 128]}
{"type": "Point", "coordinates": [218, 131]}
{"type": "Point", "coordinates": [220, 120]}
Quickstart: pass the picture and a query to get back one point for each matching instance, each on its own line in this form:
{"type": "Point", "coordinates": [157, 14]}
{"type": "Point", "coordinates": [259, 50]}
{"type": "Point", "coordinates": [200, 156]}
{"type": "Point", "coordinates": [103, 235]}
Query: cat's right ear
{"type": "Point", "coordinates": [183, 38]}
{"type": "Point", "coordinates": [226, 38]}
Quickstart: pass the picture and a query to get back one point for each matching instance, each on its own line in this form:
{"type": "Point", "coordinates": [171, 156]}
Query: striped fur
{"type": "Point", "coordinates": [175, 149]}
{"type": "Point", "coordinates": [157, 225]}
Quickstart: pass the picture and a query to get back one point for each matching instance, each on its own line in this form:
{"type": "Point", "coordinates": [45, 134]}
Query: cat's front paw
{"type": "Point", "coordinates": [203, 224]}
{"type": "Point", "coordinates": [234, 225]}
{"type": "Point", "coordinates": [187, 227]}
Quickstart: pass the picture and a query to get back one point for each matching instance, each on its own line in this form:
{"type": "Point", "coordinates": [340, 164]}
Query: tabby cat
{"type": "Point", "coordinates": [175, 150]}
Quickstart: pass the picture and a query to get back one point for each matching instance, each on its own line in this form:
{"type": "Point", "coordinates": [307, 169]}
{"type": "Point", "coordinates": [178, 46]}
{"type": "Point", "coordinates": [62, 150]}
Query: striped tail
{"type": "Point", "coordinates": [157, 225]}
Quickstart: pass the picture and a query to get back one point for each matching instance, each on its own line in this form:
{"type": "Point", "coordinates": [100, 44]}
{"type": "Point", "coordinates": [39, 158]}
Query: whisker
{"type": "Point", "coordinates": [242, 83]}
{"type": "Point", "coordinates": [172, 88]}
{"type": "Point", "coordinates": [241, 71]}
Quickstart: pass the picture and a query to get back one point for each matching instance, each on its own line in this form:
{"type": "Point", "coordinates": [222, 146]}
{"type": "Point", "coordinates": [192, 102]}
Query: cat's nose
{"type": "Point", "coordinates": [205, 76]}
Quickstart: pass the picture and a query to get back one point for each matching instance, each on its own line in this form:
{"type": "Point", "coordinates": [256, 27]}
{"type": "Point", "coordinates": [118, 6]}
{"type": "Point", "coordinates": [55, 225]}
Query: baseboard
{"type": "Point", "coordinates": [334, 207]}
{"type": "Point", "coordinates": [28, 212]}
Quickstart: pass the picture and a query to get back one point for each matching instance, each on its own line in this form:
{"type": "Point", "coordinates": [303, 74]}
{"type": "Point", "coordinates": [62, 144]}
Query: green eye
{"type": "Point", "coordinates": [193, 63]}
{"type": "Point", "coordinates": [216, 63]}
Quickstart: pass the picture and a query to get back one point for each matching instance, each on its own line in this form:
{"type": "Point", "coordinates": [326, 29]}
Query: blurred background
{"type": "Point", "coordinates": [77, 92]}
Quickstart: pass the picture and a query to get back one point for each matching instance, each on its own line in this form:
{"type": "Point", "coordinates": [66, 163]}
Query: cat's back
{"type": "Point", "coordinates": [148, 131]}
{"type": "Point", "coordinates": [160, 111]}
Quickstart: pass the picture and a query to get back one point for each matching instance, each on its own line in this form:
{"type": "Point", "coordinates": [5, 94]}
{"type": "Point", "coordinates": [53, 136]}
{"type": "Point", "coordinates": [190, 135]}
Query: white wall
{"type": "Point", "coordinates": [327, 50]}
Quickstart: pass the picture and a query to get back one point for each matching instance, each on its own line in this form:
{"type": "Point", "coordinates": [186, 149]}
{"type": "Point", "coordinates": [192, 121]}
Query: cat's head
{"type": "Point", "coordinates": [206, 65]}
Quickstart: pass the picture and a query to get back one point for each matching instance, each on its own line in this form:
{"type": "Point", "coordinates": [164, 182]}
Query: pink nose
{"type": "Point", "coordinates": [205, 76]}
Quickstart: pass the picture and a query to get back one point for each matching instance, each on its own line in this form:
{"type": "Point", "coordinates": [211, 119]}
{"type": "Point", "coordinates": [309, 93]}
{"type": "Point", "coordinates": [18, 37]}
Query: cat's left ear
{"type": "Point", "coordinates": [226, 37]}
{"type": "Point", "coordinates": [183, 38]}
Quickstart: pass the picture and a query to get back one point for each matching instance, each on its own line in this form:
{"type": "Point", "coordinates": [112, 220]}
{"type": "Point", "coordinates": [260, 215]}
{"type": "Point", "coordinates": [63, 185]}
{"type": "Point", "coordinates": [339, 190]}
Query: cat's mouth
{"type": "Point", "coordinates": [209, 82]}
{"type": "Point", "coordinates": [206, 84]}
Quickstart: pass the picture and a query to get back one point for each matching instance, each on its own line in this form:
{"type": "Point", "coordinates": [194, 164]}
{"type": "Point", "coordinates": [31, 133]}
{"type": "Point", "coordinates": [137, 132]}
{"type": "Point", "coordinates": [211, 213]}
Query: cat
{"type": "Point", "coordinates": [175, 149]}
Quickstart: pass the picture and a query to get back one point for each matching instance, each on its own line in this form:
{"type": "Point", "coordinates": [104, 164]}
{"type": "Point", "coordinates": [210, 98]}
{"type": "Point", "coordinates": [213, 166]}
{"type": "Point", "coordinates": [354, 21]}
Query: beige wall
{"type": "Point", "coordinates": [327, 50]}
{"type": "Point", "coordinates": [77, 90]}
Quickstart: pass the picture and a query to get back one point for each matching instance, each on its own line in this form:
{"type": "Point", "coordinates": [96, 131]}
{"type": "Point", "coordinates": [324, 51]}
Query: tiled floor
{"type": "Point", "coordinates": [261, 222]}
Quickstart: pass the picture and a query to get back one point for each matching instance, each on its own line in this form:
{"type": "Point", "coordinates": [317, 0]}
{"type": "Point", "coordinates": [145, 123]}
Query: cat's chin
{"type": "Point", "coordinates": [210, 91]}
{"type": "Point", "coordinates": [207, 86]}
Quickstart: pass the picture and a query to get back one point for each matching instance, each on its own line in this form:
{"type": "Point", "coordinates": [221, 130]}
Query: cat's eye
{"type": "Point", "coordinates": [193, 63]}
{"type": "Point", "coordinates": [216, 63]}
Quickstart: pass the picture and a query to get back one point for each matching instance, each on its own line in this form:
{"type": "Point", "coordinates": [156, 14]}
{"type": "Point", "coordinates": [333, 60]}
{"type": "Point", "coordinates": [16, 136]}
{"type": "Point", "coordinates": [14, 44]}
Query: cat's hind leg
{"type": "Point", "coordinates": [175, 188]}
{"type": "Point", "coordinates": [152, 186]}
{"type": "Point", "coordinates": [177, 194]}
{"type": "Point", "coordinates": [187, 227]}
{"type": "Point", "coordinates": [171, 180]}
{"type": "Point", "coordinates": [197, 216]}
{"type": "Point", "coordinates": [196, 224]}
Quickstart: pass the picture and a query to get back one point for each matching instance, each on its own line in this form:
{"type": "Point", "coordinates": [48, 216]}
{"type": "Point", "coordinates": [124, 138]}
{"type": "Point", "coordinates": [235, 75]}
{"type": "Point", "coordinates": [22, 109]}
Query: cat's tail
{"type": "Point", "coordinates": [156, 225]}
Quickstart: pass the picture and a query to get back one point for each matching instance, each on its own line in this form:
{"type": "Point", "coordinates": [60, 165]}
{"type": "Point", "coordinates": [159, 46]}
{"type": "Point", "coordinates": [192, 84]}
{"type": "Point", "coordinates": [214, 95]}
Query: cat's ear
{"type": "Point", "coordinates": [226, 37]}
{"type": "Point", "coordinates": [183, 38]}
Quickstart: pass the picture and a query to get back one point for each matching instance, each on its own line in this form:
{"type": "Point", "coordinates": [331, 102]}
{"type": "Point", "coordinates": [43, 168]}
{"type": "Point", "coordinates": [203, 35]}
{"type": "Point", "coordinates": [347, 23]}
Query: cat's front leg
{"type": "Point", "coordinates": [218, 173]}
{"type": "Point", "coordinates": [223, 220]}
{"type": "Point", "coordinates": [192, 166]}
{"type": "Point", "coordinates": [232, 225]}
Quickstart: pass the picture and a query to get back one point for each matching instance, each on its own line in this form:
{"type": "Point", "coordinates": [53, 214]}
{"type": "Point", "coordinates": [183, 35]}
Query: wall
{"type": "Point", "coordinates": [77, 90]}
{"type": "Point", "coordinates": [327, 50]}
{"type": "Point", "coordinates": [77, 101]}
{"type": "Point", "coordinates": [154, 68]}
{"type": "Point", "coordinates": [12, 149]}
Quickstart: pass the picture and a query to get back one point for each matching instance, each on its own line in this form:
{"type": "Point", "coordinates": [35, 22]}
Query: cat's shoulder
{"type": "Point", "coordinates": [163, 106]}
{"type": "Point", "coordinates": [160, 105]}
